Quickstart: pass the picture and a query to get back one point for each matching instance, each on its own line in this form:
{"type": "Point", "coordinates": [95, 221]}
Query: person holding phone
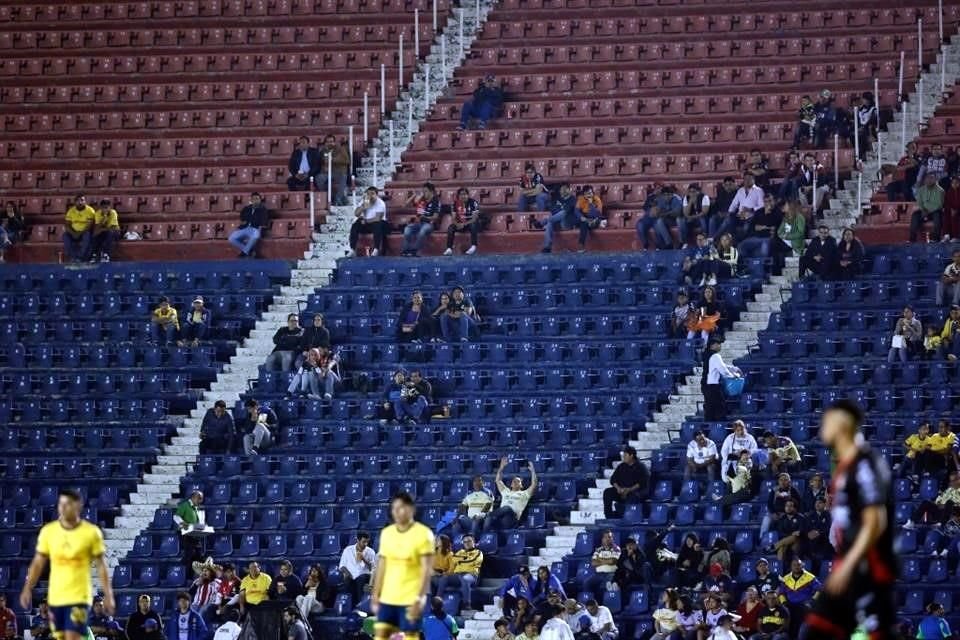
{"type": "Point", "coordinates": [369, 217]}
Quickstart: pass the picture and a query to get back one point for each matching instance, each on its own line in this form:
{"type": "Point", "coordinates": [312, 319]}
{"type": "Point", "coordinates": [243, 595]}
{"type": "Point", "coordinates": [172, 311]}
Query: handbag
{"type": "Point", "coordinates": [733, 387]}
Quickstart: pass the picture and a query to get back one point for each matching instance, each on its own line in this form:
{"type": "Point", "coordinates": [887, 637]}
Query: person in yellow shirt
{"type": "Point", "coordinates": [164, 323]}
{"type": "Point", "coordinates": [70, 545]}
{"type": "Point", "coordinates": [943, 444]}
{"type": "Point", "coordinates": [919, 456]}
{"type": "Point", "coordinates": [404, 567]}
{"type": "Point", "coordinates": [465, 570]}
{"type": "Point", "coordinates": [254, 590]}
{"type": "Point", "coordinates": [106, 231]}
{"type": "Point", "coordinates": [78, 230]}
{"type": "Point", "coordinates": [950, 335]}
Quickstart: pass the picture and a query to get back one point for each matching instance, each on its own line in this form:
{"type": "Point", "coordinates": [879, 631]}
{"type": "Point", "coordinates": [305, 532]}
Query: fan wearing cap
{"type": "Point", "coordinates": [766, 579]}
{"type": "Point", "coordinates": [486, 101]}
{"type": "Point", "coordinates": [102, 624]}
{"type": "Point", "coordinates": [826, 115]}
{"type": "Point", "coordinates": [196, 324]}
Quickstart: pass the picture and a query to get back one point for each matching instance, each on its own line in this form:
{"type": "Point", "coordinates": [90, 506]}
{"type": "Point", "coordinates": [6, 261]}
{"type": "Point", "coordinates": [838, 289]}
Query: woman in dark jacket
{"type": "Point", "coordinates": [439, 312]}
{"type": "Point", "coordinates": [850, 255]}
{"type": "Point", "coordinates": [688, 561]}
{"type": "Point", "coordinates": [414, 322]}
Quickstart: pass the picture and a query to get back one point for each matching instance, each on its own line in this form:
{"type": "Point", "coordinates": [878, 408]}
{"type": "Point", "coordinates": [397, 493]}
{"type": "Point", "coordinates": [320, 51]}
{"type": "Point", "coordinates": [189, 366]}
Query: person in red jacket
{"type": "Point", "coordinates": [951, 209]}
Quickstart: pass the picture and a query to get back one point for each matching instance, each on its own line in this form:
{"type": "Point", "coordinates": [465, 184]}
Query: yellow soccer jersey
{"type": "Point", "coordinates": [71, 553]}
{"type": "Point", "coordinates": [403, 551]}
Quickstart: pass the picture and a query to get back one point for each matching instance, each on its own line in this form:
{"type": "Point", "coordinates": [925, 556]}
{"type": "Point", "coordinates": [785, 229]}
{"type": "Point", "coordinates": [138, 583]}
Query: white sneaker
{"type": "Point", "coordinates": [448, 252]}
{"type": "Point", "coordinates": [603, 224]}
{"type": "Point", "coordinates": [472, 250]}
{"type": "Point", "coordinates": [712, 281]}
{"type": "Point", "coordinates": [351, 253]}
{"type": "Point", "coordinates": [375, 253]}
{"type": "Point", "coordinates": [946, 238]}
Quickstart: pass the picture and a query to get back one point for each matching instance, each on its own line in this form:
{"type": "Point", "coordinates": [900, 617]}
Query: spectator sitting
{"type": "Point", "coordinates": [696, 209]}
{"type": "Point", "coordinates": [369, 217]}
{"type": "Point", "coordinates": [253, 222]}
{"type": "Point", "coordinates": [589, 208]}
{"type": "Point", "coordinates": [205, 592]}
{"type": "Point", "coordinates": [747, 202]}
{"type": "Point", "coordinates": [719, 553]}
{"type": "Point", "coordinates": [438, 624]}
{"type": "Point", "coordinates": [934, 626]}
{"type": "Point", "coordinates": [106, 232]}
{"type": "Point", "coordinates": [458, 317]}
{"type": "Point", "coordinates": [719, 584]}
{"type": "Point", "coordinates": [78, 230]}
{"type": "Point", "coordinates": [907, 337]}
{"type": "Point", "coordinates": [465, 213]}
{"type": "Point", "coordinates": [196, 324]}
{"type": "Point", "coordinates": [545, 584]}
{"type": "Point", "coordinates": [391, 394]}
{"type": "Point", "coordinates": [529, 632]}
{"type": "Point", "coordinates": [665, 623]}
{"type": "Point", "coordinates": [944, 444]}
{"type": "Point", "coordinates": [501, 630]}
{"type": "Point", "coordinates": [951, 210]}
{"type": "Point", "coordinates": [714, 612]}
{"type": "Point", "coordinates": [563, 213]}
{"type": "Point", "coordinates": [484, 104]}
{"type": "Point", "coordinates": [826, 114]}
{"type": "Point", "coordinates": [515, 587]}
{"type": "Point", "coordinates": [8, 620]}
{"type": "Point", "coordinates": [766, 580]}
{"type": "Point", "coordinates": [629, 483]}
{"type": "Point", "coordinates": [815, 491]}
{"type": "Point", "coordinates": [815, 542]}
{"type": "Point", "coordinates": [287, 342]}
{"type": "Point", "coordinates": [741, 483]}
{"type": "Point", "coordinates": [229, 589]}
{"type": "Point", "coordinates": [413, 324]}
{"type": "Point", "coordinates": [465, 570]}
{"type": "Point", "coordinates": [701, 263]}
{"type": "Point", "coordinates": [13, 227]}
{"type": "Point", "coordinates": [142, 624]}
{"type": "Point", "coordinates": [779, 453]}
{"type": "Point", "coordinates": [724, 629]}
{"type": "Point", "coordinates": [773, 622]}
{"type": "Point", "coordinates": [792, 231]}
{"type": "Point", "coordinates": [682, 314]}
{"type": "Point", "coordinates": [762, 230]}
{"type": "Point", "coordinates": [256, 427]}
{"type": "Point", "coordinates": [849, 255]}
{"type": "Point", "coordinates": [318, 369]}
{"type": "Point", "coordinates": [412, 406]}
{"type": "Point", "coordinates": [287, 586]}
{"type": "Point", "coordinates": [474, 507]}
{"type": "Point", "coordinates": [357, 564]}
{"type": "Point", "coordinates": [316, 336]}
{"type": "Point", "coordinates": [949, 283]}
{"type": "Point", "coordinates": [706, 316]}
{"type": "Point", "coordinates": [807, 121]}
{"type": "Point", "coordinates": [777, 501]}
{"type": "Point", "coordinates": [632, 567]}
{"type": "Point", "coordinates": [737, 441]}
{"type": "Point", "coordinates": [442, 559]}
{"type": "Point", "coordinates": [720, 205]}
{"type": "Point", "coordinates": [808, 175]}
{"type": "Point", "coordinates": [934, 164]}
{"type": "Point", "coordinates": [727, 261]}
{"type": "Point", "coordinates": [749, 612]}
{"type": "Point", "coordinates": [714, 368]}
{"type": "Point", "coordinates": [950, 334]}
{"type": "Point", "coordinates": [864, 110]}
{"type": "Point", "coordinates": [689, 619]}
{"type": "Point", "coordinates": [930, 199]}
{"type": "Point", "coordinates": [185, 623]}
{"type": "Point", "coordinates": [789, 527]}
{"type": "Point", "coordinates": [797, 591]}
{"type": "Point", "coordinates": [821, 255]}
{"type": "Point", "coordinates": [304, 163]}
{"type": "Point", "coordinates": [919, 458]}
{"type": "Point", "coordinates": [427, 215]}
{"type": "Point", "coordinates": [296, 628]}
{"type": "Point", "coordinates": [314, 595]}
{"type": "Point", "coordinates": [340, 162]}
{"type": "Point", "coordinates": [791, 173]}
{"type": "Point", "coordinates": [532, 190]}
{"type": "Point", "coordinates": [758, 167]}
{"type": "Point", "coordinates": [217, 431]}
{"type": "Point", "coordinates": [905, 175]}
{"type": "Point", "coordinates": [102, 626]}
{"type": "Point", "coordinates": [602, 625]}
{"type": "Point", "coordinates": [937, 511]}
{"type": "Point", "coordinates": [164, 324]}
{"type": "Point", "coordinates": [513, 499]}
{"type": "Point", "coordinates": [688, 561]}
{"type": "Point", "coordinates": [702, 456]}
{"type": "Point", "coordinates": [663, 211]}
{"type": "Point", "coordinates": [604, 562]}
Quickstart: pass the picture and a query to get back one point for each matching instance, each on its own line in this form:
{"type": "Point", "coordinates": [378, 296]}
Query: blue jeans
{"type": "Point", "coordinates": [162, 334]}
{"type": "Point", "coordinates": [309, 382]}
{"type": "Point", "coordinates": [559, 218]}
{"type": "Point", "coordinates": [500, 520]}
{"type": "Point", "coordinates": [463, 580]}
{"type": "Point", "coordinates": [895, 353]}
{"type": "Point", "coordinates": [662, 231]}
{"type": "Point", "coordinates": [245, 239]}
{"type": "Point", "coordinates": [749, 247]}
{"type": "Point", "coordinates": [193, 331]}
{"type": "Point", "coordinates": [455, 328]}
{"type": "Point", "coordinates": [481, 111]}
{"type": "Point", "coordinates": [541, 200]}
{"type": "Point", "coordinates": [77, 248]}
{"type": "Point", "coordinates": [644, 225]}
{"type": "Point", "coordinates": [414, 410]}
{"type": "Point", "coordinates": [339, 183]}
{"type": "Point", "coordinates": [473, 526]}
{"type": "Point", "coordinates": [414, 234]}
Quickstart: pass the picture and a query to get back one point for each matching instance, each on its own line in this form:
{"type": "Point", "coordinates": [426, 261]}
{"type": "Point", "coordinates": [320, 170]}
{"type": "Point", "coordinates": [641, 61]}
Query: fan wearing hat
{"type": "Point", "coordinates": [196, 325]}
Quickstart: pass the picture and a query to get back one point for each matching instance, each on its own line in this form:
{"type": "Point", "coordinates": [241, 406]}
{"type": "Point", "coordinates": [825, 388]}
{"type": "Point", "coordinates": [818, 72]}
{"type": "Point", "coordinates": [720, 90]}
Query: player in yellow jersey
{"type": "Point", "coordinates": [71, 545]}
{"type": "Point", "coordinates": [404, 566]}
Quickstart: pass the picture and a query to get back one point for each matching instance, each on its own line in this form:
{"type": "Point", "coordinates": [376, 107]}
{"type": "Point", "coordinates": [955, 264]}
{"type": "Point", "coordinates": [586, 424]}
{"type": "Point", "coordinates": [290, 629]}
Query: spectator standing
{"type": "Point", "coordinates": [696, 209]}
{"type": "Point", "coordinates": [628, 484]}
{"type": "Point", "coordinates": [736, 442]}
{"type": "Point", "coordinates": [662, 212]}
{"type": "Point", "coordinates": [253, 222]}
{"type": "Point", "coordinates": [604, 562]}
{"type": "Point", "coordinates": [793, 230]}
{"type": "Point", "coordinates": [465, 570]}
{"type": "Point", "coordinates": [533, 191]}
{"type": "Point", "coordinates": [484, 104]}
{"type": "Point", "coordinates": [589, 208]}
{"type": "Point", "coordinates": [820, 256]}
{"type": "Point", "coordinates": [513, 499]}
{"type": "Point", "coordinates": [340, 163]}
{"type": "Point", "coordinates": [465, 213]}
{"type": "Point", "coordinates": [474, 507]}
{"type": "Point", "coordinates": [714, 369]}
{"type": "Point", "coordinates": [106, 232]}
{"type": "Point", "coordinates": [702, 456]}
{"type": "Point", "coordinates": [563, 213]}
{"type": "Point", "coordinates": [164, 324]}
{"type": "Point", "coordinates": [458, 317]}
{"type": "Point", "coordinates": [287, 342]}
{"type": "Point", "coordinates": [426, 206]}
{"type": "Point", "coordinates": [797, 591]}
{"type": "Point", "coordinates": [143, 624]}
{"type": "Point", "coordinates": [257, 427]}
{"type": "Point", "coordinates": [850, 255]}
{"type": "Point", "coordinates": [602, 625]}
{"type": "Point", "coordinates": [186, 517]}
{"type": "Point", "coordinates": [949, 283]}
{"type": "Point", "coordinates": [303, 165]}
{"type": "Point", "coordinates": [930, 201]}
{"type": "Point", "coordinates": [357, 564]}
{"type": "Point", "coordinates": [773, 623]}
{"type": "Point", "coordinates": [185, 623]}
{"type": "Point", "coordinates": [951, 210]}
{"type": "Point", "coordinates": [78, 230]}
{"type": "Point", "coordinates": [196, 324]}
{"type": "Point", "coordinates": [369, 217]}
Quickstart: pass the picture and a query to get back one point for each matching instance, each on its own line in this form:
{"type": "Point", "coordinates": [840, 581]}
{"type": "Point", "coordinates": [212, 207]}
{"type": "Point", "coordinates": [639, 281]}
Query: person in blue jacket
{"type": "Point", "coordinates": [438, 624]}
{"type": "Point", "coordinates": [185, 623]}
{"type": "Point", "coordinates": [933, 626]}
{"type": "Point", "coordinates": [517, 586]}
{"type": "Point", "coordinates": [544, 584]}
{"type": "Point", "coordinates": [486, 101]}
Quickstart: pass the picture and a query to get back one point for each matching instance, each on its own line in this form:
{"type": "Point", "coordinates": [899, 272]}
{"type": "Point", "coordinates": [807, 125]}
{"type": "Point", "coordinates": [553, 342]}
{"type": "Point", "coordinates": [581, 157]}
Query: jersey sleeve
{"type": "Point", "coordinates": [873, 483]}
{"type": "Point", "coordinates": [427, 543]}
{"type": "Point", "coordinates": [43, 541]}
{"type": "Point", "coordinates": [97, 546]}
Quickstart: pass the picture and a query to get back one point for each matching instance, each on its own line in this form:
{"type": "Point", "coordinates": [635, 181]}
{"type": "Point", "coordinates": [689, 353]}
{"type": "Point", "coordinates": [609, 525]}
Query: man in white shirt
{"type": "Point", "coordinates": [604, 562]}
{"type": "Point", "coordinates": [733, 444]}
{"type": "Point", "coordinates": [556, 628]}
{"type": "Point", "coordinates": [949, 283]}
{"type": "Point", "coordinates": [229, 630]}
{"type": "Point", "coordinates": [601, 621]}
{"type": "Point", "coordinates": [714, 368]}
{"type": "Point", "coordinates": [702, 456]}
{"type": "Point", "coordinates": [371, 217]}
{"type": "Point", "coordinates": [747, 202]}
{"type": "Point", "coordinates": [357, 563]}
{"type": "Point", "coordinates": [513, 500]}
{"type": "Point", "coordinates": [474, 507]}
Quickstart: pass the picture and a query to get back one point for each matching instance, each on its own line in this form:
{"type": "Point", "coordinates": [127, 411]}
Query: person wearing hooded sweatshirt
{"type": "Point", "coordinates": [185, 623]}
{"type": "Point", "coordinates": [137, 627]}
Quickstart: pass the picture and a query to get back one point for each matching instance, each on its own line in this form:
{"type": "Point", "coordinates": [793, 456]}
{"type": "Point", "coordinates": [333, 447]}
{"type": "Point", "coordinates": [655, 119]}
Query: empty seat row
{"type": "Point", "coordinates": [104, 181]}
{"type": "Point", "coordinates": [106, 410]}
{"type": "Point", "coordinates": [102, 492]}
{"type": "Point", "coordinates": [210, 279]}
{"type": "Point", "coordinates": [855, 293]}
{"type": "Point", "coordinates": [35, 516]}
{"type": "Point", "coordinates": [828, 374]}
{"type": "Point", "coordinates": [133, 384]}
{"type": "Point", "coordinates": [223, 205]}
{"type": "Point", "coordinates": [885, 399]}
{"type": "Point", "coordinates": [91, 438]}
{"type": "Point", "coordinates": [109, 304]}
{"type": "Point", "coordinates": [74, 467]}
{"type": "Point", "coordinates": [797, 320]}
{"type": "Point", "coordinates": [140, 149]}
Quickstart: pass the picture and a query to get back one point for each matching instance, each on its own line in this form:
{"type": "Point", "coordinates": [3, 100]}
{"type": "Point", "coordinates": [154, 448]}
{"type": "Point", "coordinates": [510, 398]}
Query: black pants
{"type": "Point", "coordinates": [355, 586]}
{"type": "Point", "coordinates": [919, 217]}
{"type": "Point", "coordinates": [714, 403]}
{"type": "Point", "coordinates": [613, 504]}
{"type": "Point", "coordinates": [294, 184]}
{"type": "Point", "coordinates": [215, 445]}
{"type": "Point", "coordinates": [104, 242]}
{"type": "Point", "coordinates": [473, 228]}
{"type": "Point", "coordinates": [378, 228]}
{"type": "Point", "coordinates": [822, 269]}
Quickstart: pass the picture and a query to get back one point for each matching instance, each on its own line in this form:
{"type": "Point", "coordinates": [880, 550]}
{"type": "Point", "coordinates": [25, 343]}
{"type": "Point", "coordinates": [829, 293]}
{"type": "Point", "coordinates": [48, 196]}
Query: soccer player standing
{"type": "Point", "coordinates": [859, 590]}
{"type": "Point", "coordinates": [70, 544]}
{"type": "Point", "coordinates": [404, 566]}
